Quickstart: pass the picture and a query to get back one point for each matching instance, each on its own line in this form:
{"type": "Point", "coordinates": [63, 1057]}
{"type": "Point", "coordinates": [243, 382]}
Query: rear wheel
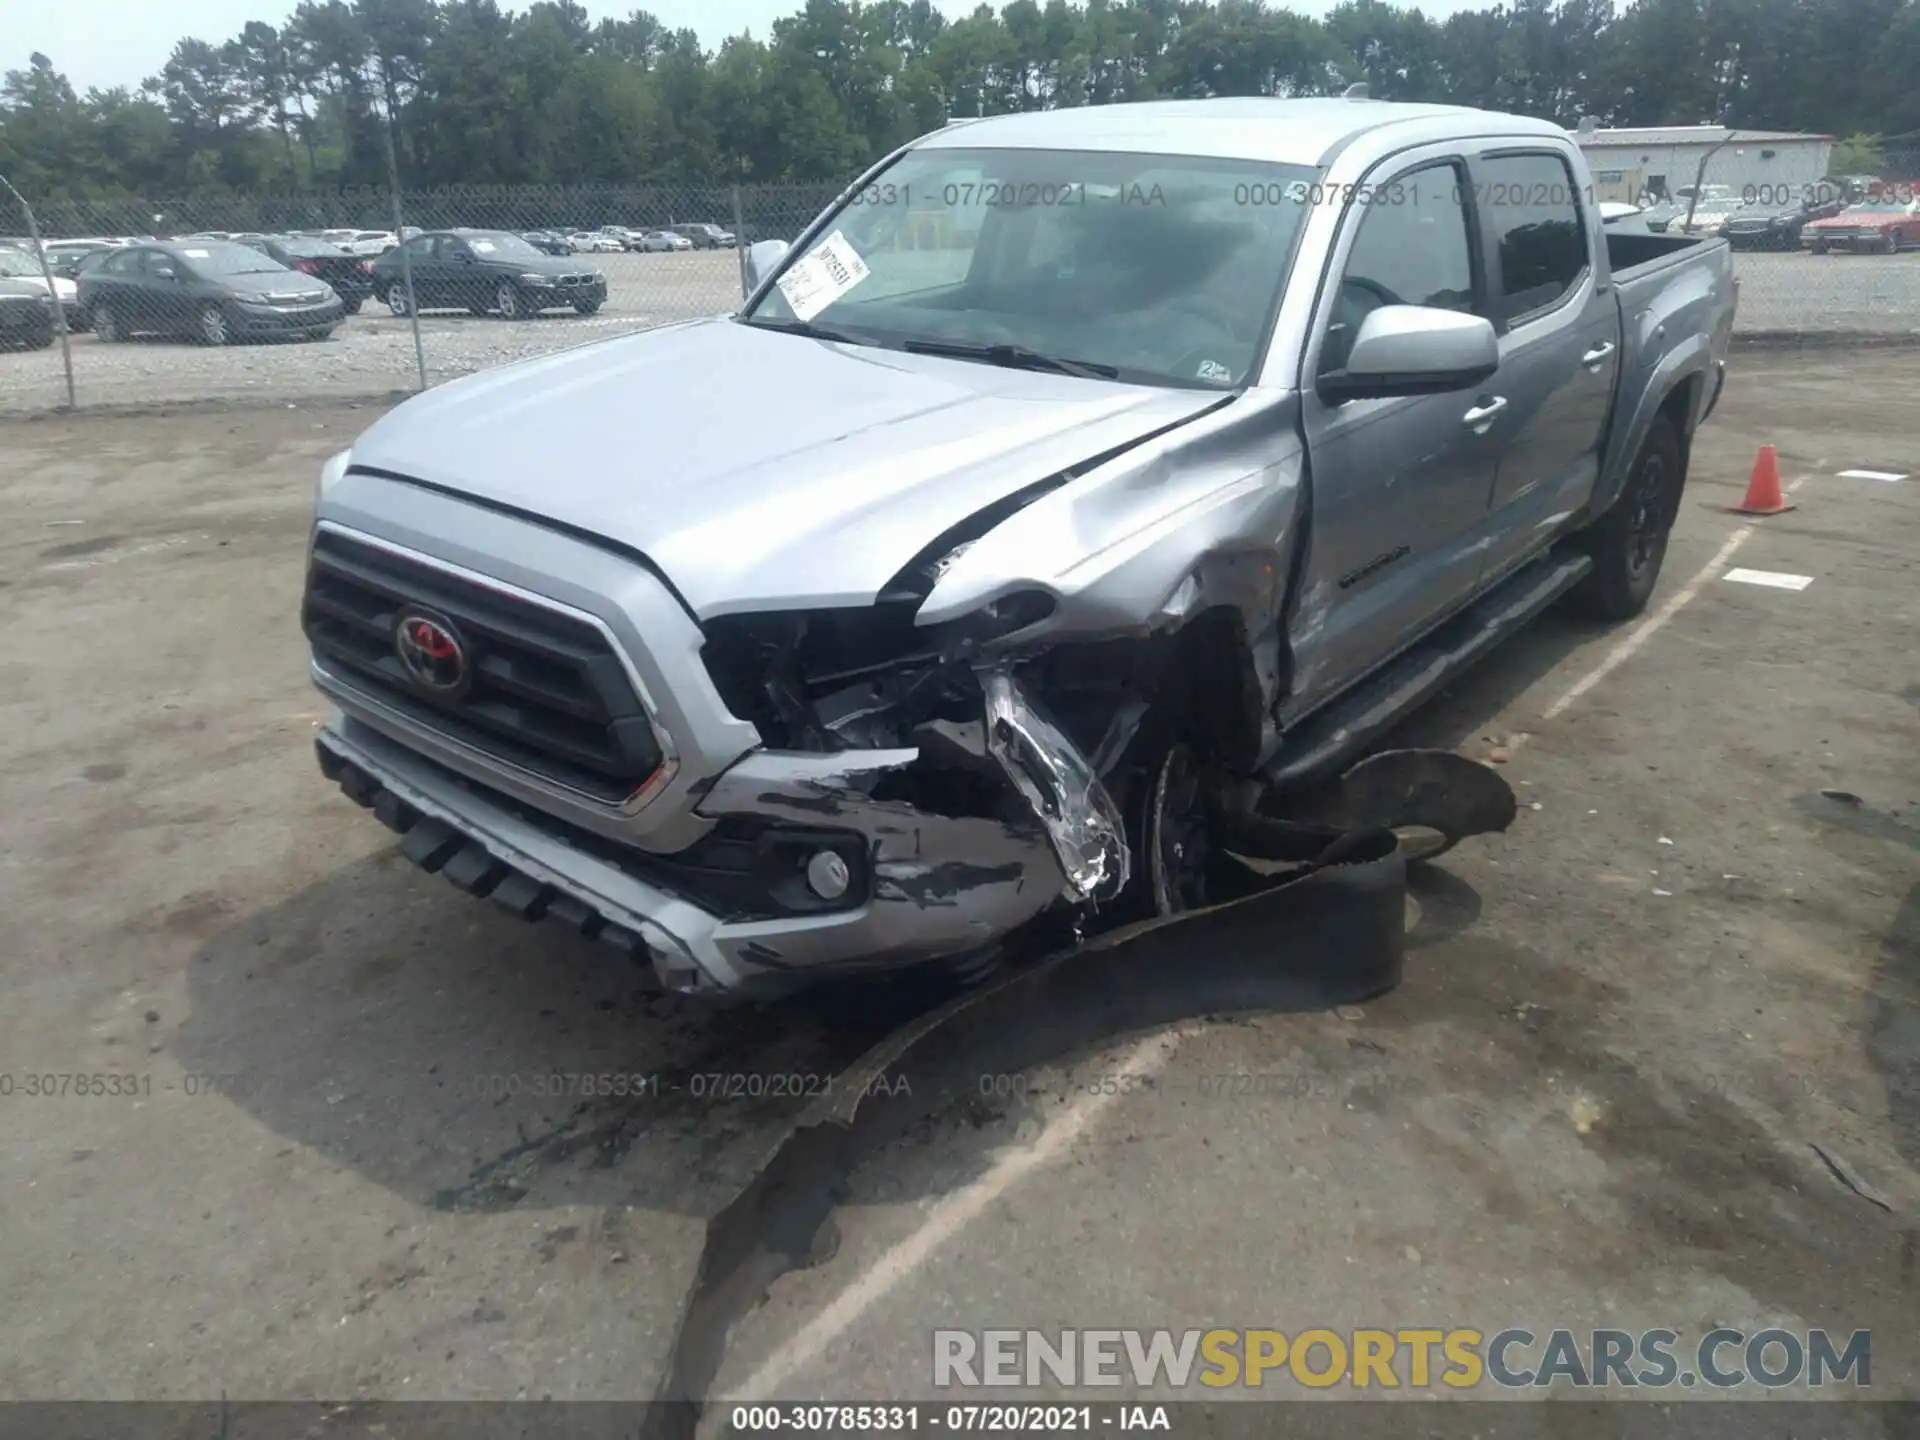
{"type": "Point", "coordinates": [1629, 542]}
{"type": "Point", "coordinates": [106, 324]}
{"type": "Point", "coordinates": [352, 307]}
{"type": "Point", "coordinates": [1892, 243]}
{"type": "Point", "coordinates": [398, 300]}
{"type": "Point", "coordinates": [1818, 247]}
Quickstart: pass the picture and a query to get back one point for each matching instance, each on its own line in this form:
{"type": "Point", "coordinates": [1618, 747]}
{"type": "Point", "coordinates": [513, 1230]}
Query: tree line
{"type": "Point", "coordinates": [480, 95]}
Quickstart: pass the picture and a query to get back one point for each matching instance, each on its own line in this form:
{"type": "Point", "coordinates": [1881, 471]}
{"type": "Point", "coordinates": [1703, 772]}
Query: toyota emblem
{"type": "Point", "coordinates": [431, 653]}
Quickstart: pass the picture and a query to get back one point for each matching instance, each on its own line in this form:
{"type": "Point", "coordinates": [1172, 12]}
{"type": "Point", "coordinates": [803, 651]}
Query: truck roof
{"type": "Point", "coordinates": [1288, 132]}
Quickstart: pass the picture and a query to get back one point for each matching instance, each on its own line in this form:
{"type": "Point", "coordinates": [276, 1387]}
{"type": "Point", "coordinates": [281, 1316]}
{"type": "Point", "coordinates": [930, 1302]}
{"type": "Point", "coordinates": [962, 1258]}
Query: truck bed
{"type": "Point", "coordinates": [1632, 254]}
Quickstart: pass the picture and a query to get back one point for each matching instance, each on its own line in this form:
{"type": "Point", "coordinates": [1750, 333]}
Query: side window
{"type": "Point", "coordinates": [1411, 249]}
{"type": "Point", "coordinates": [418, 248]}
{"type": "Point", "coordinates": [1533, 215]}
{"type": "Point", "coordinates": [124, 263]}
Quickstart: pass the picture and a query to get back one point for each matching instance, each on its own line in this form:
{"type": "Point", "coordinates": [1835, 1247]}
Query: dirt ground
{"type": "Point", "coordinates": [1593, 1101]}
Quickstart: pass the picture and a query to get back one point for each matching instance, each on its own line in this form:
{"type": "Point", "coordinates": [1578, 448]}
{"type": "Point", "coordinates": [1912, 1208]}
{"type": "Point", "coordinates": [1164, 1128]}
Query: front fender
{"type": "Point", "coordinates": [1688, 363]}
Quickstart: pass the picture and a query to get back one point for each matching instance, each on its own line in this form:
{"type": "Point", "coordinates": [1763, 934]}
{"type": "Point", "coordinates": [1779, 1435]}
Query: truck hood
{"type": "Point", "coordinates": [758, 470]}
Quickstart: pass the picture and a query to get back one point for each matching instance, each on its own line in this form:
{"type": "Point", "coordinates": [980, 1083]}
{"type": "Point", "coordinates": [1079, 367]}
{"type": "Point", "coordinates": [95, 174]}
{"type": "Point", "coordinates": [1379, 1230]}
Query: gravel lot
{"type": "Point", "coordinates": [372, 354]}
{"type": "Point", "coordinates": [1591, 1103]}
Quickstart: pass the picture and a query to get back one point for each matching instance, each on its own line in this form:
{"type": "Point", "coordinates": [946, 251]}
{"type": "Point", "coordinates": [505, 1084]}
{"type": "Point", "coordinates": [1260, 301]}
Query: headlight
{"type": "Point", "coordinates": [531, 279]}
{"type": "Point", "coordinates": [330, 476]}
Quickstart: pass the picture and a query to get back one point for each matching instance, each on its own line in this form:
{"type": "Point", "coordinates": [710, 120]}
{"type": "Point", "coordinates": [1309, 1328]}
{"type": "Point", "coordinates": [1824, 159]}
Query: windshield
{"type": "Point", "coordinates": [224, 258]}
{"type": "Point", "coordinates": [503, 247]}
{"type": "Point", "coordinates": [1162, 268]}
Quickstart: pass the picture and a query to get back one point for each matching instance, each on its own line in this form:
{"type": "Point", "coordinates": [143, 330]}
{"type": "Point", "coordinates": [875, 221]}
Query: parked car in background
{"type": "Point", "coordinates": [26, 317]}
{"type": "Point", "coordinates": [1887, 225]}
{"type": "Point", "coordinates": [1709, 214]}
{"type": "Point", "coordinates": [349, 276]}
{"type": "Point", "coordinates": [485, 271]}
{"type": "Point", "coordinates": [1775, 227]}
{"type": "Point", "coordinates": [593, 242]}
{"type": "Point", "coordinates": [64, 256]}
{"type": "Point", "coordinates": [216, 292]}
{"type": "Point", "coordinates": [370, 243]}
{"type": "Point", "coordinates": [705, 236]}
{"type": "Point", "coordinates": [1623, 217]}
{"type": "Point", "coordinates": [19, 265]}
{"type": "Point", "coordinates": [662, 240]}
{"type": "Point", "coordinates": [620, 233]}
{"type": "Point", "coordinates": [548, 242]}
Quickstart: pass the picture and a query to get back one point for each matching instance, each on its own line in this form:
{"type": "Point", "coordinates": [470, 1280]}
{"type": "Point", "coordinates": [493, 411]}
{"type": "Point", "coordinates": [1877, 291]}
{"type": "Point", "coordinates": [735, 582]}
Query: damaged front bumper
{"type": "Point", "coordinates": [919, 886]}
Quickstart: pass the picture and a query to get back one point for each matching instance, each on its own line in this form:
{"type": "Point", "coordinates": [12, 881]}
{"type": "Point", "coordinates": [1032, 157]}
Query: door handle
{"type": "Point", "coordinates": [1480, 418]}
{"type": "Point", "coordinates": [1598, 353]}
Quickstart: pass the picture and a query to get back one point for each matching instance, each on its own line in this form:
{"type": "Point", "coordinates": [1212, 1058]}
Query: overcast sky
{"type": "Point", "coordinates": [121, 42]}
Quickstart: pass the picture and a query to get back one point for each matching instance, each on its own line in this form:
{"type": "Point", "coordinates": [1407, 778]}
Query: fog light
{"type": "Point", "coordinates": [827, 875]}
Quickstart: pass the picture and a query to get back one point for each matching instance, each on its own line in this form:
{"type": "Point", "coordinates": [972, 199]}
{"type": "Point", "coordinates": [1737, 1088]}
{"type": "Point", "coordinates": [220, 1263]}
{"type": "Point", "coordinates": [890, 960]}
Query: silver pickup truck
{"type": "Point", "coordinates": [1073, 474]}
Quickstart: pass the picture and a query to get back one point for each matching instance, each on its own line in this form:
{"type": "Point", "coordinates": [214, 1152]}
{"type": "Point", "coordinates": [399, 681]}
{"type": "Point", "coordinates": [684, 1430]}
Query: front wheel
{"type": "Point", "coordinates": [352, 307]}
{"type": "Point", "coordinates": [106, 325]}
{"type": "Point", "coordinates": [1178, 829]}
{"type": "Point", "coordinates": [1818, 247]}
{"type": "Point", "coordinates": [215, 329]}
{"type": "Point", "coordinates": [1892, 243]}
{"type": "Point", "coordinates": [508, 302]}
{"type": "Point", "coordinates": [1629, 542]}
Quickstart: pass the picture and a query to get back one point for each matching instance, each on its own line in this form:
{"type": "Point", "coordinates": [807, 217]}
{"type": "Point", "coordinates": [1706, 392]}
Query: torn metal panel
{"type": "Point", "coordinates": [1080, 818]}
{"type": "Point", "coordinates": [943, 884]}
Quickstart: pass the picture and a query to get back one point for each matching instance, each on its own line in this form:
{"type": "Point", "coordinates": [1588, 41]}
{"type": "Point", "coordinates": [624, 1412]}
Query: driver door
{"type": "Point", "coordinates": [1400, 487]}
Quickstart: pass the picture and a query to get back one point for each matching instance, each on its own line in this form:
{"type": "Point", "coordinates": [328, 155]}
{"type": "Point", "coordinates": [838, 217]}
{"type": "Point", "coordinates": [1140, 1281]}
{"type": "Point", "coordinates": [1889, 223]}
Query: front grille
{"type": "Point", "coordinates": [576, 279]}
{"type": "Point", "coordinates": [548, 694]}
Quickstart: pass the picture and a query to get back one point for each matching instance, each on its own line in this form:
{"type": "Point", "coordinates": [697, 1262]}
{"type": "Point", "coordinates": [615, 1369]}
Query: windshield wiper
{"type": "Point", "coordinates": [1013, 357]}
{"type": "Point", "coordinates": [810, 331]}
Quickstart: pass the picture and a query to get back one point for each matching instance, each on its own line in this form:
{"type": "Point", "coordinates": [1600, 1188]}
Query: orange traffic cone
{"type": "Point", "coordinates": [1763, 490]}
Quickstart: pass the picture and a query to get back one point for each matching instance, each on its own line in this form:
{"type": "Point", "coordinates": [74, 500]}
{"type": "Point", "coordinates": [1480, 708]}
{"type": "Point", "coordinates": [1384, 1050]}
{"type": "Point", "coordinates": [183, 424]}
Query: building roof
{"type": "Point", "coordinates": [1690, 135]}
{"type": "Point", "coordinates": [1299, 132]}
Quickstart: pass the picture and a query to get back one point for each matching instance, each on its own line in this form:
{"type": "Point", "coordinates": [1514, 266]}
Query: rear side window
{"type": "Point", "coordinates": [1533, 213]}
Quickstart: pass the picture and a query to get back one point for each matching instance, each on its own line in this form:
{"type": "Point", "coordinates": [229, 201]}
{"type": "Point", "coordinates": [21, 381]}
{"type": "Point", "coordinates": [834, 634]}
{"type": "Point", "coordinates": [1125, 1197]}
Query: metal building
{"type": "Point", "coordinates": [1766, 165]}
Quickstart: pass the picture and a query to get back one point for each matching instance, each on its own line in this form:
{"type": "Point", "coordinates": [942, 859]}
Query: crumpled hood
{"type": "Point", "coordinates": [759, 470]}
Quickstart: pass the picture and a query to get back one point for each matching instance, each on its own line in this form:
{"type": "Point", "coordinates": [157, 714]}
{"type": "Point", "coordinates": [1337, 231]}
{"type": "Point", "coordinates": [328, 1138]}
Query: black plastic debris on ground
{"type": "Point", "coordinates": [1320, 923]}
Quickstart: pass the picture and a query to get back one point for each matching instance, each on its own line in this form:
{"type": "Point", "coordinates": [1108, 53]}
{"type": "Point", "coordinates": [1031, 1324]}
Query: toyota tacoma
{"type": "Point", "coordinates": [1074, 476]}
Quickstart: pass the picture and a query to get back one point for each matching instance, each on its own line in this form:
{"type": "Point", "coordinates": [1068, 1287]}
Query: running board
{"type": "Point", "coordinates": [1325, 742]}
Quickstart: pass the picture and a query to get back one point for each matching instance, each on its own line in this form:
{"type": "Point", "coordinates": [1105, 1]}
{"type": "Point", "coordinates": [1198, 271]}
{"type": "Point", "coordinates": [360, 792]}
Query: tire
{"type": "Point", "coordinates": [352, 307]}
{"type": "Point", "coordinates": [325, 332]}
{"type": "Point", "coordinates": [508, 302]}
{"type": "Point", "coordinates": [1818, 247]}
{"type": "Point", "coordinates": [106, 325]}
{"type": "Point", "coordinates": [1629, 542]}
{"type": "Point", "coordinates": [1177, 826]}
{"type": "Point", "coordinates": [213, 326]}
{"type": "Point", "coordinates": [37, 341]}
{"type": "Point", "coordinates": [588, 307]}
{"type": "Point", "coordinates": [1891, 245]}
{"type": "Point", "coordinates": [397, 300]}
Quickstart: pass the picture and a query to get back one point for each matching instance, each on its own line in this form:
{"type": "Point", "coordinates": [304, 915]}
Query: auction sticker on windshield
{"type": "Point", "coordinates": [828, 271]}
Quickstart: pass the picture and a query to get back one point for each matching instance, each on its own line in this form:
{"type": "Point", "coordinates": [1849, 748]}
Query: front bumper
{"type": "Point", "coordinates": [552, 297]}
{"type": "Point", "coordinates": [28, 324]}
{"type": "Point", "coordinates": [286, 320]}
{"type": "Point", "coordinates": [931, 886]}
{"type": "Point", "coordinates": [1875, 241]}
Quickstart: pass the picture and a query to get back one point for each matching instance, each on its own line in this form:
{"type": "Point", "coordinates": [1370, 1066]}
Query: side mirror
{"type": "Point", "coordinates": [763, 258]}
{"type": "Point", "coordinates": [1414, 350]}
{"type": "Point", "coordinates": [164, 272]}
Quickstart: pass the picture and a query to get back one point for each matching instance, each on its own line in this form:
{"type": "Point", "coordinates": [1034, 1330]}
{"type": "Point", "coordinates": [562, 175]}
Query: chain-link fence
{"type": "Point", "coordinates": [363, 304]}
{"type": "Point", "coordinates": [372, 297]}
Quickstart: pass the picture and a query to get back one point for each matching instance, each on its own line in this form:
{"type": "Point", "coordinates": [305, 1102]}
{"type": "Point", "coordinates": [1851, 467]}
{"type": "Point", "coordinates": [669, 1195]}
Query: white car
{"type": "Point", "coordinates": [662, 240]}
{"type": "Point", "coordinates": [592, 242]}
{"type": "Point", "coordinates": [21, 266]}
{"type": "Point", "coordinates": [368, 243]}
